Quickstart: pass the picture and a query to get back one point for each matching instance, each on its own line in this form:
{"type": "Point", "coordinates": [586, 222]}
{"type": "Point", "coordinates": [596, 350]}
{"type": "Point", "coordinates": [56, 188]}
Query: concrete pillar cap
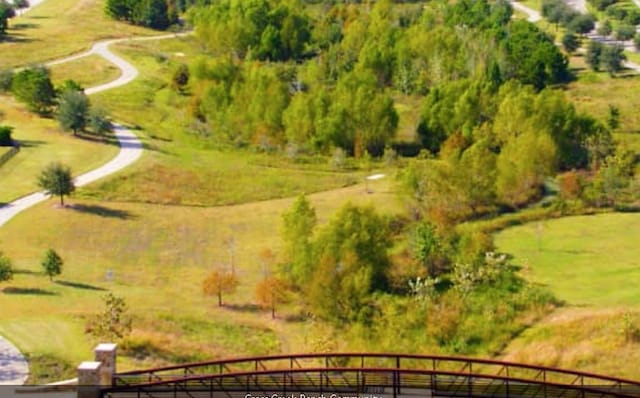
{"type": "Point", "coordinates": [89, 365]}
{"type": "Point", "coordinates": [106, 347]}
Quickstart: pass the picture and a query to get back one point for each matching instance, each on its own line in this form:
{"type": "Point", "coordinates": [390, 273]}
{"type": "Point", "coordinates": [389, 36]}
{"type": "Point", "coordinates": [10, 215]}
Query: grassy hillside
{"type": "Point", "coordinates": [158, 256]}
{"type": "Point", "coordinates": [88, 71]}
{"type": "Point", "coordinates": [42, 142]}
{"type": "Point", "coordinates": [58, 28]}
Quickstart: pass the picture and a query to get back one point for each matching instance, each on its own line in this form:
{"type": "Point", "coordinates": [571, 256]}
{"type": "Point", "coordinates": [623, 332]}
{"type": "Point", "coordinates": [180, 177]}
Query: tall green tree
{"type": "Point", "coordinates": [33, 87]}
{"type": "Point", "coordinates": [56, 179]}
{"type": "Point", "coordinates": [6, 12]}
{"type": "Point", "coordinates": [119, 9]}
{"type": "Point", "coordinates": [522, 165]}
{"type": "Point", "coordinates": [612, 58]}
{"type": "Point", "coordinates": [570, 42]}
{"type": "Point", "coordinates": [352, 263]}
{"type": "Point", "coordinates": [298, 225]}
{"type": "Point", "coordinates": [52, 264]}
{"type": "Point", "coordinates": [594, 54]}
{"type": "Point", "coordinates": [73, 110]}
{"type": "Point", "coordinates": [546, 65]}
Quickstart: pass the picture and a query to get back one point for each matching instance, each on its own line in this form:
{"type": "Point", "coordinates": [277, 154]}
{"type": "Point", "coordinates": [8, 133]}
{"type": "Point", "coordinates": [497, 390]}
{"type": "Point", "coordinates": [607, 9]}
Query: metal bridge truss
{"type": "Point", "coordinates": [364, 375]}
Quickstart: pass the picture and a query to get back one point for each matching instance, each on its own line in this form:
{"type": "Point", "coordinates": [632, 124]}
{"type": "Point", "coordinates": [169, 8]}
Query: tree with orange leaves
{"type": "Point", "coordinates": [218, 283]}
{"type": "Point", "coordinates": [270, 292]}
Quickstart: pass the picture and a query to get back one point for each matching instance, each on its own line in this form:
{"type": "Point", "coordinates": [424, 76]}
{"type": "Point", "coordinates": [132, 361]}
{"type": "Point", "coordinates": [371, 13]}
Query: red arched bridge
{"type": "Point", "coordinates": [361, 375]}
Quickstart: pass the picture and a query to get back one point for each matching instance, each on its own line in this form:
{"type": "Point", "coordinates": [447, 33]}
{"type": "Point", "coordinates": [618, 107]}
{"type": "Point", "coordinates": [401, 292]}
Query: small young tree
{"type": "Point", "coordinates": [52, 264]}
{"type": "Point", "coordinates": [613, 118]}
{"type": "Point", "coordinates": [271, 292]}
{"type": "Point", "coordinates": [6, 268]}
{"type": "Point", "coordinates": [113, 323]}
{"type": "Point", "coordinates": [219, 283]}
{"type": "Point", "coordinates": [56, 180]}
{"type": "Point", "coordinates": [73, 110]}
{"type": "Point", "coordinates": [180, 78]}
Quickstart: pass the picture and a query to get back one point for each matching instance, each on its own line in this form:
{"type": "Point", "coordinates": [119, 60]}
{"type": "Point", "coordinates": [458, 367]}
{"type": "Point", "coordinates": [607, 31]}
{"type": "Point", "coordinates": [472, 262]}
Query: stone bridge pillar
{"type": "Point", "coordinates": [93, 375]}
{"type": "Point", "coordinates": [89, 379]}
{"type": "Point", "coordinates": [106, 355]}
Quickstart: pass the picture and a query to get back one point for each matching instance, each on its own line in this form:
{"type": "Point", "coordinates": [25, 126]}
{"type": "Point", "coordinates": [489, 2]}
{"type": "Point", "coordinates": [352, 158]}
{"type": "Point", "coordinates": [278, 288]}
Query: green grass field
{"type": "Point", "coordinates": [200, 176]}
{"type": "Point", "coordinates": [592, 264]}
{"type": "Point", "coordinates": [58, 28]}
{"type": "Point", "coordinates": [88, 71]}
{"type": "Point", "coordinates": [159, 256]}
{"type": "Point", "coordinates": [587, 260]}
{"type": "Point", "coordinates": [43, 142]}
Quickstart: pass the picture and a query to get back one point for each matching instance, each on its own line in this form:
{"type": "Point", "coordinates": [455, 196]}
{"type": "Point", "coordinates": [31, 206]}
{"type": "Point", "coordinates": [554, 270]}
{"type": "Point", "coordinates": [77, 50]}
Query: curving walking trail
{"type": "Point", "coordinates": [581, 7]}
{"type": "Point", "coordinates": [14, 368]}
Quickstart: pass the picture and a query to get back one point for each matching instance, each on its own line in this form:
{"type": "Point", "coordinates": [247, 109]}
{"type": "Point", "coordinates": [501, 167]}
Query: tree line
{"type": "Point", "coordinates": [277, 77]}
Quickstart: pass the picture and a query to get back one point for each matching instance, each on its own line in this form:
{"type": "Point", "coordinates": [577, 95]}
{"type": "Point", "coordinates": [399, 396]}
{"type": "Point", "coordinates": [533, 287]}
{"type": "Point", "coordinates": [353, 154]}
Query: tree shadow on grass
{"type": "Point", "coordinates": [103, 211]}
{"type": "Point", "coordinates": [104, 139]}
{"type": "Point", "coordinates": [26, 272]}
{"type": "Point", "coordinates": [28, 291]}
{"type": "Point", "coordinates": [30, 143]}
{"type": "Point", "coordinates": [245, 307]}
{"type": "Point", "coordinates": [27, 25]}
{"type": "Point", "coordinates": [13, 37]}
{"type": "Point", "coordinates": [78, 285]}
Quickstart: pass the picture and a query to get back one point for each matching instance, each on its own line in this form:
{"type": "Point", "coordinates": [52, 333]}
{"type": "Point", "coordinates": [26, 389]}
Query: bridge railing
{"type": "Point", "coordinates": [351, 382]}
{"type": "Point", "coordinates": [434, 363]}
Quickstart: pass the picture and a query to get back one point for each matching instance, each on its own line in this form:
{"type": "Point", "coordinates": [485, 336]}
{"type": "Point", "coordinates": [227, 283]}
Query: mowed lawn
{"type": "Point", "coordinates": [158, 256]}
{"type": "Point", "coordinates": [58, 28]}
{"type": "Point", "coordinates": [88, 71]}
{"type": "Point", "coordinates": [592, 92]}
{"type": "Point", "coordinates": [41, 143]}
{"type": "Point", "coordinates": [586, 260]}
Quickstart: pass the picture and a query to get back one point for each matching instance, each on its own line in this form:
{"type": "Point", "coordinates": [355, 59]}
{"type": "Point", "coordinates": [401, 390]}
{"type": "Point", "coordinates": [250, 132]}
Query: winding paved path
{"type": "Point", "coordinates": [580, 6]}
{"type": "Point", "coordinates": [14, 369]}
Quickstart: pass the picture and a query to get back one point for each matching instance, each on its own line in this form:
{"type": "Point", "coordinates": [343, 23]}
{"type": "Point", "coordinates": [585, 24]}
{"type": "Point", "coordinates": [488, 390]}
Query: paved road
{"type": "Point", "coordinates": [14, 369]}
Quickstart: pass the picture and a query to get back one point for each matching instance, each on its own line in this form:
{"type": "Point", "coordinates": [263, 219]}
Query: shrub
{"type": "Point", "coordinates": [5, 136]}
